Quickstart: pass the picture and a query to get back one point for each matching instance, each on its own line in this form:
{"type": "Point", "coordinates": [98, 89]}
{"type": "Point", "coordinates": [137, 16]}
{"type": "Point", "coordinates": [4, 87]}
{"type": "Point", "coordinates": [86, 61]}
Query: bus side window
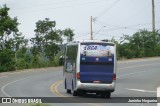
{"type": "Point", "coordinates": [71, 56]}
{"type": "Point", "coordinates": [68, 59]}
{"type": "Point", "coordinates": [69, 67]}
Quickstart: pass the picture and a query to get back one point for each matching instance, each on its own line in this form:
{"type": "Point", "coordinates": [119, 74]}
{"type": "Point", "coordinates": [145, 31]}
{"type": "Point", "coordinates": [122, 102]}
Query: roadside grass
{"type": "Point", "coordinates": [38, 104]}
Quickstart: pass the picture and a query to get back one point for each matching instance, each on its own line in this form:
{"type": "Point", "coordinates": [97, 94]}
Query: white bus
{"type": "Point", "coordinates": [90, 67]}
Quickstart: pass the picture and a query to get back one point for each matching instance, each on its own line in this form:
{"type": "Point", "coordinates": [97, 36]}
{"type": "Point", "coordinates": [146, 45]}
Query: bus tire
{"type": "Point", "coordinates": [81, 93]}
{"type": "Point", "coordinates": [74, 93]}
{"type": "Point", "coordinates": [108, 95]}
{"type": "Point", "coordinates": [68, 91]}
{"type": "Point", "coordinates": [103, 95]}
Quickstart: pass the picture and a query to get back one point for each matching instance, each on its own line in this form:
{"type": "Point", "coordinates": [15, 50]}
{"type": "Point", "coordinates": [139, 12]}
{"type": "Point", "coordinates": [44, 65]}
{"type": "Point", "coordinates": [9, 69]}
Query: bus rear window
{"type": "Point", "coordinates": [97, 49]}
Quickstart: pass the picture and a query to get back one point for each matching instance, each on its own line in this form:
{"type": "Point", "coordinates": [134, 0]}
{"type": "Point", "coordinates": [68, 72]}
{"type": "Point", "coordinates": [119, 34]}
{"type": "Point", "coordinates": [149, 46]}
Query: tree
{"type": "Point", "coordinates": [10, 40]}
{"type": "Point", "coordinates": [141, 44]}
{"type": "Point", "coordinates": [69, 34]}
{"type": "Point", "coordinates": [46, 38]}
{"type": "Point", "coordinates": [7, 26]}
{"type": "Point", "coordinates": [7, 62]}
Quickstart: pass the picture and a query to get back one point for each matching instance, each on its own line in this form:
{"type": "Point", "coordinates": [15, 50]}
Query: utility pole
{"type": "Point", "coordinates": [91, 32]}
{"type": "Point", "coordinates": [153, 17]}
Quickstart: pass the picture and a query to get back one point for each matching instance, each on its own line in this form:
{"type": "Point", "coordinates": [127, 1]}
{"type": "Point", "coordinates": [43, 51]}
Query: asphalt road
{"type": "Point", "coordinates": [135, 78]}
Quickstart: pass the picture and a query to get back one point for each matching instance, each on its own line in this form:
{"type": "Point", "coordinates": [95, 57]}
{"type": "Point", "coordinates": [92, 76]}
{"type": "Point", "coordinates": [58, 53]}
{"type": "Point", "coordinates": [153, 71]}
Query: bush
{"type": "Point", "coordinates": [7, 60]}
{"type": "Point", "coordinates": [38, 104]}
{"type": "Point", "coordinates": [22, 64]}
{"type": "Point", "coordinates": [141, 44]}
{"type": "Point", "coordinates": [36, 62]}
{"type": "Point", "coordinates": [56, 61]}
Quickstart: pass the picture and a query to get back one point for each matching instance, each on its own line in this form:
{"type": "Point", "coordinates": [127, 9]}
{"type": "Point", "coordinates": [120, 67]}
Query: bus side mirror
{"type": "Point", "coordinates": [61, 60]}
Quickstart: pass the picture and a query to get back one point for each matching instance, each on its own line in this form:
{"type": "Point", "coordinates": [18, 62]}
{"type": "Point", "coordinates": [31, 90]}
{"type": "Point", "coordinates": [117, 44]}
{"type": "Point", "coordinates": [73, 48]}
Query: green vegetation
{"type": "Point", "coordinates": [10, 40]}
{"type": "Point", "coordinates": [141, 44]}
{"type": "Point", "coordinates": [46, 45]}
{"type": "Point", "coordinates": [38, 104]}
{"type": "Point", "coordinates": [44, 50]}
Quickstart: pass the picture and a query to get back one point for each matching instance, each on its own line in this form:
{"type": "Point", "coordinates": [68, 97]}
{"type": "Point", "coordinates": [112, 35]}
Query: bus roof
{"type": "Point", "coordinates": [83, 41]}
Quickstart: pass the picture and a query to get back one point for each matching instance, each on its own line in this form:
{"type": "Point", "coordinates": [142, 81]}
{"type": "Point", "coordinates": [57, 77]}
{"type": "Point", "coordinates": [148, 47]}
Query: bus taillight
{"type": "Point", "coordinates": [78, 75]}
{"type": "Point", "coordinates": [114, 76]}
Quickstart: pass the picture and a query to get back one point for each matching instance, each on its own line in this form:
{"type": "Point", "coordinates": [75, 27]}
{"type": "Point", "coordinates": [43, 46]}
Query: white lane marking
{"type": "Point", "coordinates": [141, 90]}
{"type": "Point", "coordinates": [139, 66]}
{"type": "Point", "coordinates": [158, 95]}
{"type": "Point", "coordinates": [3, 88]}
{"type": "Point", "coordinates": [3, 76]}
{"type": "Point", "coordinates": [129, 74]}
{"type": "Point", "coordinates": [138, 60]}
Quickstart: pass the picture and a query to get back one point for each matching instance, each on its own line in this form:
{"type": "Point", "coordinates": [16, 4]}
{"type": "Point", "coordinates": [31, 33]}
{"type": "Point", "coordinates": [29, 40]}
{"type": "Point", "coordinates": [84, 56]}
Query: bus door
{"type": "Point", "coordinates": [70, 65]}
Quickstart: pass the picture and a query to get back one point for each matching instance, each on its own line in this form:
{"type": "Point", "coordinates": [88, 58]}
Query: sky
{"type": "Point", "coordinates": [111, 18]}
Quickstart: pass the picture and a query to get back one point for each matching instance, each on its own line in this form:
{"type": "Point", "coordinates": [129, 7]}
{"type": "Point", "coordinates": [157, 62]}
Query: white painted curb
{"type": "Point", "coordinates": [158, 95]}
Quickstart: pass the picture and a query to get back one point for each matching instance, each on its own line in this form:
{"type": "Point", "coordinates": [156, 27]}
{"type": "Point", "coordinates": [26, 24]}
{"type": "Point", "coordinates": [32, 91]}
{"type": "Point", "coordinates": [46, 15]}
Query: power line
{"type": "Point", "coordinates": [98, 31]}
{"type": "Point", "coordinates": [109, 25]}
{"type": "Point", "coordinates": [120, 28]}
{"type": "Point", "coordinates": [125, 27]}
{"type": "Point", "coordinates": [130, 27]}
{"type": "Point", "coordinates": [85, 34]}
{"type": "Point", "coordinates": [135, 14]}
{"type": "Point", "coordinates": [63, 6]}
{"type": "Point", "coordinates": [104, 34]}
{"type": "Point", "coordinates": [107, 9]}
{"type": "Point", "coordinates": [108, 36]}
{"type": "Point", "coordinates": [31, 5]}
{"type": "Point", "coordinates": [144, 24]}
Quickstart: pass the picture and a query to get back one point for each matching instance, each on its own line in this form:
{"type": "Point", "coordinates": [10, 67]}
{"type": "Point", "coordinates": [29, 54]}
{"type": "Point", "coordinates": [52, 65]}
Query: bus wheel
{"type": "Point", "coordinates": [103, 95]}
{"type": "Point", "coordinates": [106, 95]}
{"type": "Point", "coordinates": [68, 91]}
{"type": "Point", "coordinates": [81, 93]}
{"type": "Point", "coordinates": [74, 93]}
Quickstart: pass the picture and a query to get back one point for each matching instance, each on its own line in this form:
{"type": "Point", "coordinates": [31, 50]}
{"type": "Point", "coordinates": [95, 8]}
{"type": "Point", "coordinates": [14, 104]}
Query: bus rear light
{"type": "Point", "coordinates": [114, 76]}
{"type": "Point", "coordinates": [78, 75]}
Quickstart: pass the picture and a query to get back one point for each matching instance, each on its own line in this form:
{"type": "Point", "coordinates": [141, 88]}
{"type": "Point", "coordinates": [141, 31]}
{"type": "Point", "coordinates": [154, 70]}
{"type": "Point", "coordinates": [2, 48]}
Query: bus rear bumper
{"type": "Point", "coordinates": [96, 86]}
